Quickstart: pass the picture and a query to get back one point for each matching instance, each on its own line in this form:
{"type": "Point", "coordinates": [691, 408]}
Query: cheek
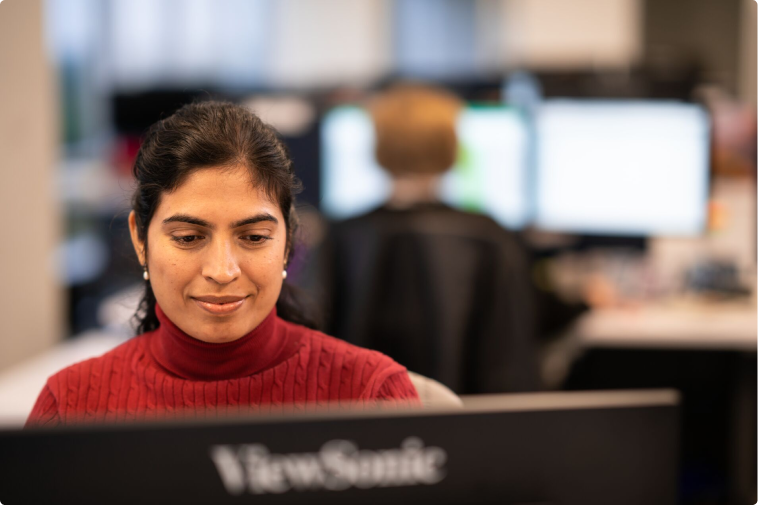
{"type": "Point", "coordinates": [175, 274]}
{"type": "Point", "coordinates": [169, 272]}
{"type": "Point", "coordinates": [264, 268]}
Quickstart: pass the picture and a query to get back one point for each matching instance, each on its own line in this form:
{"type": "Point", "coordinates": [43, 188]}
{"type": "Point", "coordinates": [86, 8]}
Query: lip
{"type": "Point", "coordinates": [219, 305]}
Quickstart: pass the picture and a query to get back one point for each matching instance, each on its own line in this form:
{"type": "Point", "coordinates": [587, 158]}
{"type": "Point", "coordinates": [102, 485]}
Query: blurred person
{"type": "Point", "coordinates": [219, 330]}
{"type": "Point", "coordinates": [443, 291]}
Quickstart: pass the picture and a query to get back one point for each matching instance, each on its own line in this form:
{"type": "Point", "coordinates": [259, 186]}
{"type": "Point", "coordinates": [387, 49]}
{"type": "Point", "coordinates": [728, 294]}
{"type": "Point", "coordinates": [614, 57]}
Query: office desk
{"type": "Point", "coordinates": [707, 351]}
{"type": "Point", "coordinates": [727, 326]}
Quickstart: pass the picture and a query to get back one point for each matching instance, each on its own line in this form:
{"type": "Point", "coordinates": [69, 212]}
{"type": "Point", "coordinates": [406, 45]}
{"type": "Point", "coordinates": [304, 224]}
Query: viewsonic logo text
{"type": "Point", "coordinates": [339, 465]}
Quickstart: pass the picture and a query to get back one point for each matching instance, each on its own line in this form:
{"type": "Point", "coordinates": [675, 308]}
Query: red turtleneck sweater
{"type": "Point", "coordinates": [277, 367]}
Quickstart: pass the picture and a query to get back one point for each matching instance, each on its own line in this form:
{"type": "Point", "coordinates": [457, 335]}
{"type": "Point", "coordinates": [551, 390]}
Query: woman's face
{"type": "Point", "coordinates": [216, 251]}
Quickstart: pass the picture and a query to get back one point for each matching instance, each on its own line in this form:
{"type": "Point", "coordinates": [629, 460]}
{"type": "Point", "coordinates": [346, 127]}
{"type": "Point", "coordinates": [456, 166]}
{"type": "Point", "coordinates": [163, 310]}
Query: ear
{"type": "Point", "coordinates": [287, 248]}
{"type": "Point", "coordinates": [139, 246]}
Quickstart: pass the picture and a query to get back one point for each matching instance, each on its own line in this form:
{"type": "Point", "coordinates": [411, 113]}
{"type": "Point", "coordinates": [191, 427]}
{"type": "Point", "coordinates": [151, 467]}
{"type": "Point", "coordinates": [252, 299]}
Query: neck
{"type": "Point", "coordinates": [189, 358]}
{"type": "Point", "coordinates": [411, 189]}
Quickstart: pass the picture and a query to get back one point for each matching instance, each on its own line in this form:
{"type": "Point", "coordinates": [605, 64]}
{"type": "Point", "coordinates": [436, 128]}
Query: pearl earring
{"type": "Point", "coordinates": [145, 275]}
{"type": "Point", "coordinates": [284, 274]}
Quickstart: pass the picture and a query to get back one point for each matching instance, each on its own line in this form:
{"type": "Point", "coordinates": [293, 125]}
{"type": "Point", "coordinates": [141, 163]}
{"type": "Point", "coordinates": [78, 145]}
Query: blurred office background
{"type": "Point", "coordinates": [670, 306]}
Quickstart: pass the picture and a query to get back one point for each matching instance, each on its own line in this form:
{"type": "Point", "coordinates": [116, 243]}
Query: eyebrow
{"type": "Point", "coordinates": [185, 218]}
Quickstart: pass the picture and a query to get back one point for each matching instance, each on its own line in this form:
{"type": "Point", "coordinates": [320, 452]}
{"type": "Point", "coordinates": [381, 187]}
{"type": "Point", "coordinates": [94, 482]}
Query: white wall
{"type": "Point", "coordinates": [572, 34]}
{"type": "Point", "coordinates": [30, 300]}
{"type": "Point", "coordinates": [324, 42]}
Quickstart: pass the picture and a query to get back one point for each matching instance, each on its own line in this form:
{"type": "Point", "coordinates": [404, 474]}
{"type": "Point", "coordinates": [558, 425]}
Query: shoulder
{"type": "Point", "coordinates": [331, 350]}
{"type": "Point", "coordinates": [370, 373]}
{"type": "Point", "coordinates": [91, 371]}
{"type": "Point", "coordinates": [374, 214]}
{"type": "Point", "coordinates": [480, 230]}
{"type": "Point", "coordinates": [450, 220]}
{"type": "Point", "coordinates": [426, 219]}
{"type": "Point", "coordinates": [73, 392]}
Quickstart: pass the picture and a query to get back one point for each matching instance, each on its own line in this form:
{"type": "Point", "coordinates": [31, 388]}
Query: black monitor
{"type": "Point", "coordinates": [546, 448]}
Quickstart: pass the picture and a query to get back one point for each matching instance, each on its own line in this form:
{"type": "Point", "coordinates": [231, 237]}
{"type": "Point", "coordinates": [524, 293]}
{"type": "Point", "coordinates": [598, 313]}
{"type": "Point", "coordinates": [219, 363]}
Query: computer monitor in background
{"type": "Point", "coordinates": [634, 168]}
{"type": "Point", "coordinates": [490, 175]}
{"type": "Point", "coordinates": [588, 448]}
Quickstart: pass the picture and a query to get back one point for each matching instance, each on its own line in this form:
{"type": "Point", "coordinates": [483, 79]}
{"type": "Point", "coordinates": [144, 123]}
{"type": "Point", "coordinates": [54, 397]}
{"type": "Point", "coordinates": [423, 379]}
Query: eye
{"type": "Point", "coordinates": [256, 239]}
{"type": "Point", "coordinates": [187, 239]}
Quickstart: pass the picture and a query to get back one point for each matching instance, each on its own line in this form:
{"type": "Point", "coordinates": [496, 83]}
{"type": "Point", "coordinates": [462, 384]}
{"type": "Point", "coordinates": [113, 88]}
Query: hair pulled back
{"type": "Point", "coordinates": [213, 134]}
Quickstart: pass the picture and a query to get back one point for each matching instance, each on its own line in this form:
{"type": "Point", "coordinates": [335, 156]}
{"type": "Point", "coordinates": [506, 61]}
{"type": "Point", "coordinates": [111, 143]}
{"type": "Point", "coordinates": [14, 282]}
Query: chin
{"type": "Point", "coordinates": [219, 332]}
{"type": "Point", "coordinates": [222, 335]}
{"type": "Point", "coordinates": [222, 339]}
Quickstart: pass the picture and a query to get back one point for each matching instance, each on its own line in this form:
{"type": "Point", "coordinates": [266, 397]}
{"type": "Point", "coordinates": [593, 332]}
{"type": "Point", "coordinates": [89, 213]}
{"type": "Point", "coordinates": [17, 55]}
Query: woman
{"type": "Point", "coordinates": [212, 224]}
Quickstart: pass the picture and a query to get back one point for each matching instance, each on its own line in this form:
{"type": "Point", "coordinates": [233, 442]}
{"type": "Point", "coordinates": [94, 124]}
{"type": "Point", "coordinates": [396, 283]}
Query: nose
{"type": "Point", "coordinates": [221, 265]}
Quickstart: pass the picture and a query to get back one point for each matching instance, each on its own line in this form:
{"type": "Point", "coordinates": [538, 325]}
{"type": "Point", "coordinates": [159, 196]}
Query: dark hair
{"type": "Point", "coordinates": [207, 134]}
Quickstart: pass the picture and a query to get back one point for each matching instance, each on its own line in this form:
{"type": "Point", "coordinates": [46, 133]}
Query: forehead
{"type": "Point", "coordinates": [218, 195]}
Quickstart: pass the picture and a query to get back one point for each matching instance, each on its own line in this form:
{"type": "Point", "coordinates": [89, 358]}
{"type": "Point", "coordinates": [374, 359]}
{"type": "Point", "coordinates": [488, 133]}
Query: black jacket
{"type": "Point", "coordinates": [443, 292]}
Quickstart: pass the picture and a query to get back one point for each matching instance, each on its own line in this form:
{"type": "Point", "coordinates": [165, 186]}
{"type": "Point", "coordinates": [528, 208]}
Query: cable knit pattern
{"type": "Point", "coordinates": [278, 367]}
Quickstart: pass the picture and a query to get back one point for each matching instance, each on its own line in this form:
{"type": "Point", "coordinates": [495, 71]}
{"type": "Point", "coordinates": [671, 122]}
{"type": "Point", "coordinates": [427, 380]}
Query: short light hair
{"type": "Point", "coordinates": [415, 129]}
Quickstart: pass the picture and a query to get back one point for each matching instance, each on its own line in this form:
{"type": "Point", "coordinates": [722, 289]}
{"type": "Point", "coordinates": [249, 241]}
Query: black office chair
{"type": "Point", "coordinates": [445, 293]}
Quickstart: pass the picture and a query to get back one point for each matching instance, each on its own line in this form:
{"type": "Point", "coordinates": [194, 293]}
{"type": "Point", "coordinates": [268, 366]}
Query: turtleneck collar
{"type": "Point", "coordinates": [189, 358]}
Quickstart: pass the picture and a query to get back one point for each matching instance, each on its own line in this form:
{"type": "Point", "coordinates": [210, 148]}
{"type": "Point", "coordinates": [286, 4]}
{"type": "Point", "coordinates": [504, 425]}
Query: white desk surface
{"type": "Point", "coordinates": [713, 326]}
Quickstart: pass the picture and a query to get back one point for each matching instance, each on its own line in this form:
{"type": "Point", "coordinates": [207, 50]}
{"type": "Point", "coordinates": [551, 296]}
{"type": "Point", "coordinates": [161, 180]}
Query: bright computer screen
{"type": "Point", "coordinates": [489, 176]}
{"type": "Point", "coordinates": [622, 168]}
